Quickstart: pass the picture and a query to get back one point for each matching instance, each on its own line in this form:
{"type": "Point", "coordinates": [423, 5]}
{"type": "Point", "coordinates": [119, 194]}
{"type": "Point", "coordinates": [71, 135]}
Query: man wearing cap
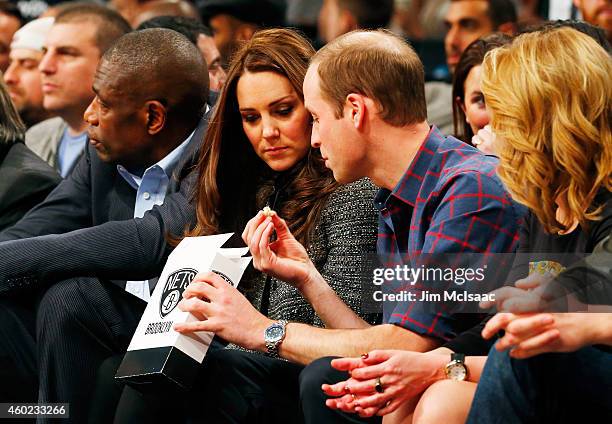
{"type": "Point", "coordinates": [22, 76]}
{"type": "Point", "coordinates": [233, 21]}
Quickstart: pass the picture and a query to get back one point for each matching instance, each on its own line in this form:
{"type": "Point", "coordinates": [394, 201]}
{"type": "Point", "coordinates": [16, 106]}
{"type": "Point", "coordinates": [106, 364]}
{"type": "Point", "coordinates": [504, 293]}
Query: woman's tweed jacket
{"type": "Point", "coordinates": [345, 234]}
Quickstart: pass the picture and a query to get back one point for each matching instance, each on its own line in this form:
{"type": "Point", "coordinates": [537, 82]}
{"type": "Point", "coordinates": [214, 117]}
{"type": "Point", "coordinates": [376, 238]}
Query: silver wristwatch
{"type": "Point", "coordinates": [273, 336]}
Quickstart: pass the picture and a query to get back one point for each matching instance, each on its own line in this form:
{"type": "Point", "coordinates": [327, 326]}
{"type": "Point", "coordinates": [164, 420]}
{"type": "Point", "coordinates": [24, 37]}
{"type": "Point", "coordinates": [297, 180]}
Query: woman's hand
{"type": "Point", "coordinates": [402, 374]}
{"type": "Point", "coordinates": [528, 335]}
{"type": "Point", "coordinates": [222, 309]}
{"type": "Point", "coordinates": [535, 293]}
{"type": "Point", "coordinates": [529, 294]}
{"type": "Point", "coordinates": [484, 141]}
{"type": "Point", "coordinates": [285, 258]}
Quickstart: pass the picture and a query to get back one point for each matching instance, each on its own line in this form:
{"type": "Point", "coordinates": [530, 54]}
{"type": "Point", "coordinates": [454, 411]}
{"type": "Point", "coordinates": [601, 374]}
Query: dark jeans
{"type": "Point", "coordinates": [243, 387]}
{"type": "Point", "coordinates": [556, 387]}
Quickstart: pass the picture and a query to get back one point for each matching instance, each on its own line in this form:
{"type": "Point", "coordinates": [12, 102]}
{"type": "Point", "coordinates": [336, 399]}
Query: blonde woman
{"type": "Point", "coordinates": [550, 99]}
{"type": "Point", "coordinates": [554, 116]}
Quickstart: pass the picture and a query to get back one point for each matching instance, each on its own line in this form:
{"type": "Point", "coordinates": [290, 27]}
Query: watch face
{"type": "Point", "coordinates": [274, 332]}
{"type": "Point", "coordinates": [457, 372]}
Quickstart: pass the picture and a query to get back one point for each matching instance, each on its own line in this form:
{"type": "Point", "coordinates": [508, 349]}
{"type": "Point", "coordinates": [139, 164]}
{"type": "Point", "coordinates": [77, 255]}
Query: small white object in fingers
{"type": "Point", "coordinates": [267, 211]}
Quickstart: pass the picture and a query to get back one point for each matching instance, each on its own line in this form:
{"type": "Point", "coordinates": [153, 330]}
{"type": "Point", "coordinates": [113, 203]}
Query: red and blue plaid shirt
{"type": "Point", "coordinates": [449, 201]}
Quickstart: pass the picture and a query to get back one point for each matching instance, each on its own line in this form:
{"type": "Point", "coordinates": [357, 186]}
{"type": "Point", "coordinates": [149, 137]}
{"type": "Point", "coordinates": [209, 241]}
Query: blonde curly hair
{"type": "Point", "coordinates": [549, 94]}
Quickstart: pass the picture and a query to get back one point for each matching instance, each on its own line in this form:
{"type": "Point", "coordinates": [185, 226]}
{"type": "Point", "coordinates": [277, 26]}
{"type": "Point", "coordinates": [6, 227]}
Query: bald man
{"type": "Point", "coordinates": [144, 125]}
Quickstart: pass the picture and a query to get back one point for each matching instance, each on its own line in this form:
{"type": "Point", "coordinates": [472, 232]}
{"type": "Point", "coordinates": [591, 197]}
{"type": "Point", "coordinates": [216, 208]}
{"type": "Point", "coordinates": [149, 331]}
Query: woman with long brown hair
{"type": "Point", "coordinates": [470, 115]}
{"type": "Point", "coordinates": [257, 153]}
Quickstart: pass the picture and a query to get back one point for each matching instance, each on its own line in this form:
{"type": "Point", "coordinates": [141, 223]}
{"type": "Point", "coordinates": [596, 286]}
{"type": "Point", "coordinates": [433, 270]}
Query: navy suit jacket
{"type": "Point", "coordinates": [61, 237]}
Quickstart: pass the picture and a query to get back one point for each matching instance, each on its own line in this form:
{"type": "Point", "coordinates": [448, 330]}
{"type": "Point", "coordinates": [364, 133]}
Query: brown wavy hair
{"type": "Point", "coordinates": [12, 129]}
{"type": "Point", "coordinates": [551, 102]}
{"type": "Point", "coordinates": [233, 181]}
{"type": "Point", "coordinates": [471, 57]}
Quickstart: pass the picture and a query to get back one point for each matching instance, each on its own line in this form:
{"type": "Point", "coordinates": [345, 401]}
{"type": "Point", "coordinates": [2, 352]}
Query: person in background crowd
{"type": "Point", "coordinates": [128, 8]}
{"type": "Point", "coordinates": [72, 49]}
{"type": "Point", "coordinates": [469, 110]}
{"type": "Point", "coordinates": [302, 15]}
{"type": "Point", "coordinates": [420, 19]}
{"type": "Point", "coordinates": [10, 21]}
{"type": "Point", "coordinates": [25, 180]}
{"type": "Point", "coordinates": [55, 9]}
{"type": "Point", "coordinates": [23, 78]}
{"type": "Point", "coordinates": [235, 21]}
{"type": "Point", "coordinates": [157, 8]}
{"type": "Point", "coordinates": [595, 32]}
{"type": "Point", "coordinates": [144, 124]}
{"type": "Point", "coordinates": [477, 132]}
{"type": "Point", "coordinates": [468, 20]}
{"type": "Point", "coordinates": [598, 13]}
{"type": "Point", "coordinates": [338, 17]}
{"type": "Point", "coordinates": [201, 36]}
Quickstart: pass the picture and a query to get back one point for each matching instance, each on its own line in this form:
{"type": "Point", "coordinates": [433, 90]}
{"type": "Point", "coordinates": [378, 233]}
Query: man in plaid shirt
{"type": "Point", "coordinates": [365, 92]}
{"type": "Point", "coordinates": [449, 201]}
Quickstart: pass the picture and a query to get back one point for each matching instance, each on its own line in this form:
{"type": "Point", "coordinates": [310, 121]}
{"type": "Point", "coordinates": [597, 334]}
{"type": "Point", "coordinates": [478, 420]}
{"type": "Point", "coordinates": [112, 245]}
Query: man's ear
{"type": "Point", "coordinates": [155, 116]}
{"type": "Point", "coordinates": [356, 105]}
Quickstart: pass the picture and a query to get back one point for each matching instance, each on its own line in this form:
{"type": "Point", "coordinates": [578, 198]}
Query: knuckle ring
{"type": "Point", "coordinates": [347, 389]}
{"type": "Point", "coordinates": [378, 386]}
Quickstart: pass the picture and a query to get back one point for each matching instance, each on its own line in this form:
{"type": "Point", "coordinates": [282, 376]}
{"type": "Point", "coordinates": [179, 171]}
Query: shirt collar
{"type": "Point", "coordinates": [409, 186]}
{"type": "Point", "coordinates": [167, 164]}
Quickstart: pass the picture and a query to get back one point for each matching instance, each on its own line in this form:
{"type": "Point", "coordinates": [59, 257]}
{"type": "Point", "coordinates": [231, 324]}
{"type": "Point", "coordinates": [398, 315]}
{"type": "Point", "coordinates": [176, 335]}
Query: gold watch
{"type": "Point", "coordinates": [456, 369]}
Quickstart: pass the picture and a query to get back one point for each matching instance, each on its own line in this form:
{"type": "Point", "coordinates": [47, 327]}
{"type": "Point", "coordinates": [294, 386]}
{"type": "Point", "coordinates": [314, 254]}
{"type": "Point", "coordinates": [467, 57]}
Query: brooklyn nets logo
{"type": "Point", "coordinates": [173, 290]}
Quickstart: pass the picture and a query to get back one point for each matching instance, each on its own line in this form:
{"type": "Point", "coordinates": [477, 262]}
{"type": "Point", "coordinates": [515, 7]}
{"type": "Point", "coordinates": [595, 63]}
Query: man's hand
{"type": "Point", "coordinates": [402, 374]}
{"type": "Point", "coordinates": [222, 309]}
{"type": "Point", "coordinates": [285, 258]}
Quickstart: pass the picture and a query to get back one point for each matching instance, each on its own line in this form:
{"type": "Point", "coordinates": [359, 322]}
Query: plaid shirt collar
{"type": "Point", "coordinates": [408, 187]}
